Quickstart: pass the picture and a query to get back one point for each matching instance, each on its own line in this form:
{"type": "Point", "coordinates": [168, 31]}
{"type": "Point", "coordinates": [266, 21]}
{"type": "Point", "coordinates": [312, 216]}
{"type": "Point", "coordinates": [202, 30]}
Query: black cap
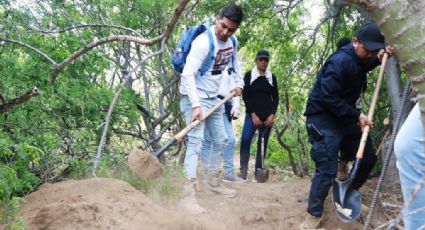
{"type": "Point", "coordinates": [263, 54]}
{"type": "Point", "coordinates": [371, 37]}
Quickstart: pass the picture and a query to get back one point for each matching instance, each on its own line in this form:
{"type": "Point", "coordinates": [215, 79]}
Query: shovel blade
{"type": "Point", "coordinates": [347, 202]}
{"type": "Point", "coordinates": [262, 175]}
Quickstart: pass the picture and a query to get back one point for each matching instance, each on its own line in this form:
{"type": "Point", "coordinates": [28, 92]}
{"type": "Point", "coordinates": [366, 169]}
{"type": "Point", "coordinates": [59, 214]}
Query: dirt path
{"type": "Point", "coordinates": [273, 205]}
{"type": "Point", "coordinates": [113, 204]}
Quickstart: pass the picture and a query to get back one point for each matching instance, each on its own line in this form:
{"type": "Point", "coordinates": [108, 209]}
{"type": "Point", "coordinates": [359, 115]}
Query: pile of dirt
{"type": "Point", "coordinates": [99, 203]}
{"type": "Point", "coordinates": [144, 165]}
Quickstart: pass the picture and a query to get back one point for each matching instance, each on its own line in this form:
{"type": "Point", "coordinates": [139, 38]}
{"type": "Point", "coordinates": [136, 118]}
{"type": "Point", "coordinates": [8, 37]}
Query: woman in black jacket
{"type": "Point", "coordinates": [261, 99]}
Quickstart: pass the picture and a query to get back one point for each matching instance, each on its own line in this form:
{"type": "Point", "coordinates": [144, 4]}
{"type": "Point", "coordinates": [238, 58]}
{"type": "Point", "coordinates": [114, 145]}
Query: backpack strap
{"type": "Point", "coordinates": [235, 47]}
{"type": "Point", "coordinates": [212, 49]}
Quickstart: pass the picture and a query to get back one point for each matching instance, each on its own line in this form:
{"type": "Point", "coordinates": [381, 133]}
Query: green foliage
{"type": "Point", "coordinates": [9, 214]}
{"type": "Point", "coordinates": [12, 183]}
{"type": "Point", "coordinates": [15, 178]}
{"type": "Point", "coordinates": [276, 157]}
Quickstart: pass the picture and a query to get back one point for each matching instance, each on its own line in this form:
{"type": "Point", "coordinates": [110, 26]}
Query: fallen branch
{"type": "Point", "coordinates": [19, 100]}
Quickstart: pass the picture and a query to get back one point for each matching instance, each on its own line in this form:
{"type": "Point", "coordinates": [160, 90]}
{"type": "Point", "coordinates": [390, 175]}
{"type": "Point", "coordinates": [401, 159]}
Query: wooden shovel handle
{"type": "Point", "coordinates": [365, 133]}
{"type": "Point", "coordinates": [179, 136]}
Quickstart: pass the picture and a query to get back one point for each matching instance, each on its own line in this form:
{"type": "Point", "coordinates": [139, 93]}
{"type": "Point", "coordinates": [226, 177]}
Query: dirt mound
{"type": "Point", "coordinates": [99, 203]}
{"type": "Point", "coordinates": [144, 165]}
{"type": "Point", "coordinates": [113, 204]}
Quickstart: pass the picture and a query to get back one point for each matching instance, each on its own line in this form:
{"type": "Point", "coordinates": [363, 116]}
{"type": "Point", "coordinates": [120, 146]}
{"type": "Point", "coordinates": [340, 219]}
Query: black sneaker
{"type": "Point", "coordinates": [243, 174]}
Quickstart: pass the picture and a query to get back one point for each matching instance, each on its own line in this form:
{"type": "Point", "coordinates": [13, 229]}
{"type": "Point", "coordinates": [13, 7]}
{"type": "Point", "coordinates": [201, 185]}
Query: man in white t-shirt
{"type": "Point", "coordinates": [200, 93]}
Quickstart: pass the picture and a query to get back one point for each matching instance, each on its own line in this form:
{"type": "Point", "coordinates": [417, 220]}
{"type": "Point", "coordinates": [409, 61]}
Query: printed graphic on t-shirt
{"type": "Point", "coordinates": [224, 56]}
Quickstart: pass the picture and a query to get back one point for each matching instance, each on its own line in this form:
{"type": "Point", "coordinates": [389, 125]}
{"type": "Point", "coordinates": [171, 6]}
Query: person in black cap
{"type": "Point", "coordinates": [261, 98]}
{"type": "Point", "coordinates": [334, 119]}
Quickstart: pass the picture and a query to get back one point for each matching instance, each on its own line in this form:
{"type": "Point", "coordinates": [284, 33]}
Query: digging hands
{"type": "Point", "coordinates": [196, 114]}
{"type": "Point", "coordinates": [237, 90]}
{"type": "Point", "coordinates": [388, 49]}
{"type": "Point", "coordinates": [364, 121]}
{"type": "Point", "coordinates": [235, 113]}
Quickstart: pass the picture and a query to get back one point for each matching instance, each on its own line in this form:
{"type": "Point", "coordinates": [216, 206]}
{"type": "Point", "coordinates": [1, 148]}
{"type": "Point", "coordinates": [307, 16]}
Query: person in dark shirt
{"type": "Point", "coordinates": [261, 98]}
{"type": "Point", "coordinates": [334, 120]}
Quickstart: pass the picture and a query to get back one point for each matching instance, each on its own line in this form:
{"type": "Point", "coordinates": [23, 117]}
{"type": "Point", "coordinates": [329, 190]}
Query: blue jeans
{"type": "Point", "coordinates": [214, 126]}
{"type": "Point", "coordinates": [409, 150]}
{"type": "Point", "coordinates": [248, 132]}
{"type": "Point", "coordinates": [324, 152]}
{"type": "Point", "coordinates": [229, 150]}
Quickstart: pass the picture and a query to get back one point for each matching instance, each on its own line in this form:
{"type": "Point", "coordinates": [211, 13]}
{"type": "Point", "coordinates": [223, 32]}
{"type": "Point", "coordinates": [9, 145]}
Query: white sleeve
{"type": "Point", "coordinates": [238, 69]}
{"type": "Point", "coordinates": [194, 60]}
{"type": "Point", "coordinates": [236, 102]}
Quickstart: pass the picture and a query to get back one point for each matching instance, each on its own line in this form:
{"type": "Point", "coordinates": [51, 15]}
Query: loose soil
{"type": "Point", "coordinates": [102, 203]}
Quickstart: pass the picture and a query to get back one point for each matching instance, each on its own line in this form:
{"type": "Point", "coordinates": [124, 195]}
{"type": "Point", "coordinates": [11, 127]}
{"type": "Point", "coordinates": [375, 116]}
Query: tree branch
{"type": "Point", "coordinates": [158, 137]}
{"type": "Point", "coordinates": [19, 100]}
{"type": "Point", "coordinates": [128, 133]}
{"type": "Point", "coordinates": [144, 110]}
{"type": "Point", "coordinates": [125, 38]}
{"type": "Point", "coordinates": [29, 47]}
{"type": "Point", "coordinates": [164, 37]}
{"type": "Point", "coordinates": [85, 26]}
{"type": "Point", "coordinates": [160, 119]}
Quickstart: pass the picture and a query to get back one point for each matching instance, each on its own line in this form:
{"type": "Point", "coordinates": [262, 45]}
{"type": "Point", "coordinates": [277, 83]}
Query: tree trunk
{"type": "Point", "coordinates": [392, 72]}
{"type": "Point", "coordinates": [279, 137]}
{"type": "Point", "coordinates": [392, 76]}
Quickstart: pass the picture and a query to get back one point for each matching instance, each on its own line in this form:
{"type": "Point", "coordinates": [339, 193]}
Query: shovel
{"type": "Point", "coordinates": [179, 136]}
{"type": "Point", "coordinates": [347, 202]}
{"type": "Point", "coordinates": [140, 160]}
{"type": "Point", "coordinates": [262, 174]}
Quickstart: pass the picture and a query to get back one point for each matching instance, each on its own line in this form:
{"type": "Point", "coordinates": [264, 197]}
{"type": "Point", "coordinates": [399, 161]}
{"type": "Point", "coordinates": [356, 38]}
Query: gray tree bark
{"type": "Point", "coordinates": [392, 76]}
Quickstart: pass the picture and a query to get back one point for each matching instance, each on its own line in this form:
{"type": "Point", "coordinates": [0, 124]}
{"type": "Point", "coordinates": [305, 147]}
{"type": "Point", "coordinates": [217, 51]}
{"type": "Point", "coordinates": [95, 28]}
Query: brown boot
{"type": "Point", "coordinates": [363, 214]}
{"type": "Point", "coordinates": [189, 201]}
{"type": "Point", "coordinates": [342, 170]}
{"type": "Point", "coordinates": [213, 184]}
{"type": "Point", "coordinates": [311, 222]}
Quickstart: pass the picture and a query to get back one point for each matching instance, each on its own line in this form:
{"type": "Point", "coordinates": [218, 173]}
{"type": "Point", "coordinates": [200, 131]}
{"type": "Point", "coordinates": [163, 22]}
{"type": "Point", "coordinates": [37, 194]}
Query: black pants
{"type": "Point", "coordinates": [324, 152]}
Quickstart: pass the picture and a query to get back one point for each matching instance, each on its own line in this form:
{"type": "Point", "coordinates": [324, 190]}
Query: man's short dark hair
{"type": "Point", "coordinates": [232, 12]}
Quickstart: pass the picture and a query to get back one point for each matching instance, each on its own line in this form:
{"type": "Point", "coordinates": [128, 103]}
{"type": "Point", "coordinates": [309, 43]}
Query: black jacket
{"type": "Point", "coordinates": [260, 97]}
{"type": "Point", "coordinates": [339, 84]}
